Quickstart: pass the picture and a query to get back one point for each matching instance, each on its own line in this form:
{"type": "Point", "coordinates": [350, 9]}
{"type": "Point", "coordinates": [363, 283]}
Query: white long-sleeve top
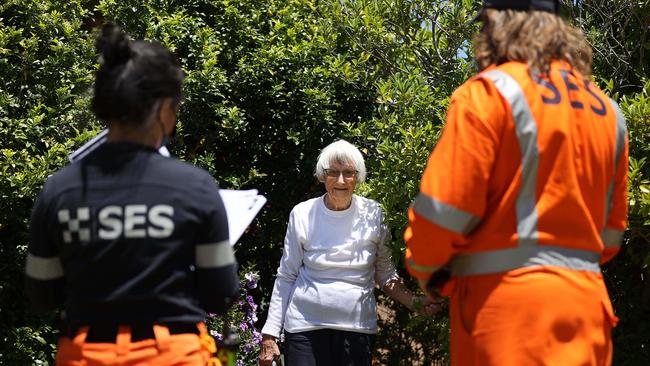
{"type": "Point", "coordinates": [330, 265]}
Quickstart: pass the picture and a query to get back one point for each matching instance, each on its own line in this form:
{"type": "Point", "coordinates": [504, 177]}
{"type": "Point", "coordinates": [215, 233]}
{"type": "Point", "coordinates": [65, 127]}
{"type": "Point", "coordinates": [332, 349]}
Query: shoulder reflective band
{"type": "Point", "coordinates": [214, 255]}
{"type": "Point", "coordinates": [444, 215]}
{"type": "Point", "coordinates": [504, 260]}
{"type": "Point", "coordinates": [41, 268]}
{"type": "Point", "coordinates": [609, 236]}
{"type": "Point", "coordinates": [526, 130]}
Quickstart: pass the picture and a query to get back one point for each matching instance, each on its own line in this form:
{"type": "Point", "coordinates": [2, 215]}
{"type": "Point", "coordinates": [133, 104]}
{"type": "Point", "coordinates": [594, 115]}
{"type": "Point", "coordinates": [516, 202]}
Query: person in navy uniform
{"type": "Point", "coordinates": [132, 245]}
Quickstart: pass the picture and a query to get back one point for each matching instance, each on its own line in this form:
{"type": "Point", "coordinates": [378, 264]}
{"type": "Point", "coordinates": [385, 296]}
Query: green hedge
{"type": "Point", "coordinates": [268, 85]}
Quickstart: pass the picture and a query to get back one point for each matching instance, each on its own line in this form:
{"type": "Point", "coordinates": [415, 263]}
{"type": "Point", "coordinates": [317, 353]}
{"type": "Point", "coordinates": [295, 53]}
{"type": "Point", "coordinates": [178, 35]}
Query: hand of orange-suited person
{"type": "Point", "coordinates": [269, 351]}
{"type": "Point", "coordinates": [423, 305]}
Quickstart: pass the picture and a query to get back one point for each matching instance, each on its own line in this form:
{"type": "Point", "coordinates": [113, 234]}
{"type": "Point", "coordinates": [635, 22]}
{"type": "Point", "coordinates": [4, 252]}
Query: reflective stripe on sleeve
{"type": "Point", "coordinates": [621, 131]}
{"type": "Point", "coordinates": [612, 238]}
{"type": "Point", "coordinates": [526, 130]}
{"type": "Point", "coordinates": [421, 268]}
{"type": "Point", "coordinates": [504, 260]}
{"type": "Point", "coordinates": [214, 255]}
{"type": "Point", "coordinates": [444, 215]}
{"type": "Point", "coordinates": [41, 268]}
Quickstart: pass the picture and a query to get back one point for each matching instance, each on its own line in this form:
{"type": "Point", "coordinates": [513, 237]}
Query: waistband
{"type": "Point", "coordinates": [503, 260]}
{"type": "Point", "coordinates": [107, 333]}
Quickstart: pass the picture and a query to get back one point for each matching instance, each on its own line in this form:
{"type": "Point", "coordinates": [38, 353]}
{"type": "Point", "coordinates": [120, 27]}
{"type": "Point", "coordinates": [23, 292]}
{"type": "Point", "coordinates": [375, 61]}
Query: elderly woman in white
{"type": "Point", "coordinates": [335, 252]}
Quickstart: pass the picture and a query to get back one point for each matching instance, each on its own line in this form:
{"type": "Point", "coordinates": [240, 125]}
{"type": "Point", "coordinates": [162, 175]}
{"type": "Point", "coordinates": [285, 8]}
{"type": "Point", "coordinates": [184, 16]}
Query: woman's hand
{"type": "Point", "coordinates": [423, 305]}
{"type": "Point", "coordinates": [269, 350]}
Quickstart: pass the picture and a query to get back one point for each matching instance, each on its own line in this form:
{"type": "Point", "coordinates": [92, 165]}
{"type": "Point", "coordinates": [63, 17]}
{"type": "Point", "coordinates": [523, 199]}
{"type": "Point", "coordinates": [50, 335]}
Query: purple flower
{"type": "Point", "coordinates": [240, 363]}
{"type": "Point", "coordinates": [216, 334]}
{"type": "Point", "coordinates": [257, 336]}
{"type": "Point", "coordinates": [251, 280]}
{"type": "Point", "coordinates": [251, 302]}
{"type": "Point", "coordinates": [243, 326]}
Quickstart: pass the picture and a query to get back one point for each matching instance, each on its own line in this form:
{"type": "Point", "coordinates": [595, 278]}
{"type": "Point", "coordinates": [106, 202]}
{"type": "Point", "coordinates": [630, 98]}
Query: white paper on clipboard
{"type": "Point", "coordinates": [241, 209]}
{"type": "Point", "coordinates": [241, 206]}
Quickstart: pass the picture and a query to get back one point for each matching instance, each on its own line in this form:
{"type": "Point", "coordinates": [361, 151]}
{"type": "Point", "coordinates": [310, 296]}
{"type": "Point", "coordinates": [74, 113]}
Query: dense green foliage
{"type": "Point", "coordinates": [269, 83]}
{"type": "Point", "coordinates": [620, 37]}
{"type": "Point", "coordinates": [46, 64]}
{"type": "Point", "coordinates": [627, 275]}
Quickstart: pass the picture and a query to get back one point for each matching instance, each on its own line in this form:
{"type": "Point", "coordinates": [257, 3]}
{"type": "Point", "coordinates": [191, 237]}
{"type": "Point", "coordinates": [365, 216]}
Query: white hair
{"type": "Point", "coordinates": [342, 152]}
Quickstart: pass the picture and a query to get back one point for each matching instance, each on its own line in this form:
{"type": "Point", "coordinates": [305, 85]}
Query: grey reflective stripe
{"type": "Point", "coordinates": [421, 268]}
{"type": "Point", "coordinates": [526, 130]}
{"type": "Point", "coordinates": [504, 260]}
{"type": "Point", "coordinates": [43, 268]}
{"type": "Point", "coordinates": [214, 255]}
{"type": "Point", "coordinates": [444, 215]}
{"type": "Point", "coordinates": [621, 132]}
{"type": "Point", "coordinates": [612, 238]}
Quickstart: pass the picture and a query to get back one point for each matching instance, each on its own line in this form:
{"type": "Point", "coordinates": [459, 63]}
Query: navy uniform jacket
{"type": "Point", "coordinates": [126, 235]}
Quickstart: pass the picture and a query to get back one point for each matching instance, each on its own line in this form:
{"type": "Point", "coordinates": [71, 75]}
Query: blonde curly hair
{"type": "Point", "coordinates": [535, 37]}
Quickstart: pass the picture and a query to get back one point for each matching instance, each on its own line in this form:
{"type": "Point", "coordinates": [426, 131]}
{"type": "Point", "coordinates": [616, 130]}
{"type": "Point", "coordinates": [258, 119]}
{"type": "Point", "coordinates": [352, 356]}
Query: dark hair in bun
{"type": "Point", "coordinates": [132, 77]}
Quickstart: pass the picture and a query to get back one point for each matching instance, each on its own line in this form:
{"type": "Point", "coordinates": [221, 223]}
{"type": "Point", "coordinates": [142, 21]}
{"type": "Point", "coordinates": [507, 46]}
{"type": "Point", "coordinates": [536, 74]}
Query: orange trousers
{"type": "Point", "coordinates": [165, 350]}
{"type": "Point", "coordinates": [531, 316]}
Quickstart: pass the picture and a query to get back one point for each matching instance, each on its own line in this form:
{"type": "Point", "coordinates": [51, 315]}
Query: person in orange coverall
{"type": "Point", "coordinates": [523, 197]}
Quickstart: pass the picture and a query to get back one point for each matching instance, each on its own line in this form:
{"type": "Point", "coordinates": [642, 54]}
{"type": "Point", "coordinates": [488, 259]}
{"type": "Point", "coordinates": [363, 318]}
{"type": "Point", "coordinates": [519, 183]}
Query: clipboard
{"type": "Point", "coordinates": [241, 209]}
{"type": "Point", "coordinates": [95, 142]}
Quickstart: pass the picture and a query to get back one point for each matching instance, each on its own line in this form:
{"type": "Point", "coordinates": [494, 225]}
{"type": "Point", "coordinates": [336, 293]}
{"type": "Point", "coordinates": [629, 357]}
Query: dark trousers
{"type": "Point", "coordinates": [328, 347]}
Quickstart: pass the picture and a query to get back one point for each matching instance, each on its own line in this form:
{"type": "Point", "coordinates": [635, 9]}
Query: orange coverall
{"type": "Point", "coordinates": [166, 349]}
{"type": "Point", "coordinates": [523, 196]}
